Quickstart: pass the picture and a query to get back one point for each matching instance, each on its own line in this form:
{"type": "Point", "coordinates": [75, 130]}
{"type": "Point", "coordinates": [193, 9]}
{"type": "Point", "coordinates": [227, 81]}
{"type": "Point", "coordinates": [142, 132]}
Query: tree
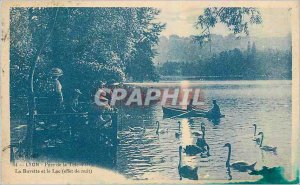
{"type": "Point", "coordinates": [248, 50]}
{"type": "Point", "coordinates": [140, 66]}
{"type": "Point", "coordinates": [237, 20]}
{"type": "Point", "coordinates": [253, 49]}
{"type": "Point", "coordinates": [88, 44]}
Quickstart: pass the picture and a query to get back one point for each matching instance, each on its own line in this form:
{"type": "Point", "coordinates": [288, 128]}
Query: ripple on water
{"type": "Point", "coordinates": [150, 156]}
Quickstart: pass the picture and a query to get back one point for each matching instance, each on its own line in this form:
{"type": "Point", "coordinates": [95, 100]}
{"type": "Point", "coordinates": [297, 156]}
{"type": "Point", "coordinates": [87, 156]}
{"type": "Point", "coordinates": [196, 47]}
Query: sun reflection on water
{"type": "Point", "coordinates": [186, 133]}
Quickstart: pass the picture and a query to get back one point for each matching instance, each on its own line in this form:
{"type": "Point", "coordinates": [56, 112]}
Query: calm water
{"type": "Point", "coordinates": [266, 103]}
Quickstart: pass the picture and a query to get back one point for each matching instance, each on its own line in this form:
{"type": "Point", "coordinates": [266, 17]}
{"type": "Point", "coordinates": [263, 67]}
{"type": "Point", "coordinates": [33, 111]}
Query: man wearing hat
{"type": "Point", "coordinates": [56, 96]}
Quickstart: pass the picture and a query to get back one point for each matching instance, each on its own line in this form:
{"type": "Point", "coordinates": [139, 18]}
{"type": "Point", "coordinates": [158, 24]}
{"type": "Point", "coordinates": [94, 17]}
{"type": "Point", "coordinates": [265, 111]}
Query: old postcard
{"type": "Point", "coordinates": [155, 92]}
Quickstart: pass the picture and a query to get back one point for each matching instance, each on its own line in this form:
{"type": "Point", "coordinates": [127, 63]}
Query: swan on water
{"type": "Point", "coordinates": [255, 137]}
{"type": "Point", "coordinates": [207, 153]}
{"type": "Point", "coordinates": [201, 141]}
{"type": "Point", "coordinates": [193, 150]}
{"type": "Point", "coordinates": [178, 133]}
{"type": "Point", "coordinates": [202, 126]}
{"type": "Point", "coordinates": [160, 131]}
{"type": "Point", "coordinates": [265, 147]}
{"type": "Point", "coordinates": [186, 171]}
{"type": "Point", "coordinates": [196, 133]}
{"type": "Point", "coordinates": [137, 129]}
{"type": "Point", "coordinates": [239, 165]}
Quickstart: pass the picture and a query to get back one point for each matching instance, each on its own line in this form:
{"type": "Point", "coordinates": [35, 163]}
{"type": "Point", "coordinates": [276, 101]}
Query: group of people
{"type": "Point", "coordinates": [57, 101]}
{"type": "Point", "coordinates": [58, 104]}
{"type": "Point", "coordinates": [103, 96]}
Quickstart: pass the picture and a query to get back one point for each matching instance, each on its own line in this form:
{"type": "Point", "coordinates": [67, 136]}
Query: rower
{"type": "Point", "coordinates": [215, 111]}
{"type": "Point", "coordinates": [190, 106]}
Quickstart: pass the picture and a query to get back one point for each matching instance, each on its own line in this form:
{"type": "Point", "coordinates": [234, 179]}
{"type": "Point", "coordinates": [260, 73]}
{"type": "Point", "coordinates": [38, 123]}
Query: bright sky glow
{"type": "Point", "coordinates": [181, 19]}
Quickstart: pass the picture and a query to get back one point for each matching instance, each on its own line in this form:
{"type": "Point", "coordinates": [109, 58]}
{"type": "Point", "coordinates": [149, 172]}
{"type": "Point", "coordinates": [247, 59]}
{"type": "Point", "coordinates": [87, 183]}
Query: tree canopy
{"type": "Point", "coordinates": [88, 44]}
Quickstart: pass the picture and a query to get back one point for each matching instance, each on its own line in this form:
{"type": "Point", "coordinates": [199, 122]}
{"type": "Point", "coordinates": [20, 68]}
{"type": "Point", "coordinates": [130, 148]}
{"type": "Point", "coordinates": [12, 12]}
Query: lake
{"type": "Point", "coordinates": [155, 157]}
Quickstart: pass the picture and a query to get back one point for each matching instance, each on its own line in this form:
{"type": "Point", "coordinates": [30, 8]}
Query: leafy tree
{"type": "Point", "coordinates": [141, 66]}
{"type": "Point", "coordinates": [88, 44]}
{"type": "Point", "coordinates": [236, 19]}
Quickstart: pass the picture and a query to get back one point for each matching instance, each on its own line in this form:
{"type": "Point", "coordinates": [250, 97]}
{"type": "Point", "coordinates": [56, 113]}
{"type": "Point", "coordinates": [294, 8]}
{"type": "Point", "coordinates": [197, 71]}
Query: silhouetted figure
{"type": "Point", "coordinates": [215, 111]}
{"type": "Point", "coordinates": [56, 95]}
{"type": "Point", "coordinates": [190, 106]}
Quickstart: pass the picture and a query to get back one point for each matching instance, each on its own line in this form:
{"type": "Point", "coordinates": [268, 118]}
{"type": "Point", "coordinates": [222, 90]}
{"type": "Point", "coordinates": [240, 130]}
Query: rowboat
{"type": "Point", "coordinates": [183, 113]}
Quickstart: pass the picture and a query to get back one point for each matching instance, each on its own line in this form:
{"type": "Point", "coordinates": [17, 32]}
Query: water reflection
{"type": "Point", "coordinates": [216, 121]}
{"type": "Point", "coordinates": [186, 132]}
{"type": "Point", "coordinates": [147, 156]}
{"type": "Point", "coordinates": [228, 171]}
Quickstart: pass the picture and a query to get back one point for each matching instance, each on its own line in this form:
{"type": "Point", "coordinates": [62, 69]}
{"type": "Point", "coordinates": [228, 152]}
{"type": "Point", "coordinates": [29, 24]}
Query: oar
{"type": "Point", "coordinates": [180, 114]}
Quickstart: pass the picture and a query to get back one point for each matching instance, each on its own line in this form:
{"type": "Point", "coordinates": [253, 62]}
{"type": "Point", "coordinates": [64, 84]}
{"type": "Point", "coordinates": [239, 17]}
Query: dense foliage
{"type": "Point", "coordinates": [235, 64]}
{"type": "Point", "coordinates": [175, 48]}
{"type": "Point", "coordinates": [88, 44]}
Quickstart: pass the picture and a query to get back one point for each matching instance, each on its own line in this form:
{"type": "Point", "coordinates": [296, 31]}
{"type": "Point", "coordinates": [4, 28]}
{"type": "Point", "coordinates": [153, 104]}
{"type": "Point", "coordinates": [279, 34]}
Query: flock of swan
{"type": "Point", "coordinates": [203, 149]}
{"type": "Point", "coordinates": [241, 166]}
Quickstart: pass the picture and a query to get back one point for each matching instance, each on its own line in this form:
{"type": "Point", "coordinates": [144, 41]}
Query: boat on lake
{"type": "Point", "coordinates": [184, 113]}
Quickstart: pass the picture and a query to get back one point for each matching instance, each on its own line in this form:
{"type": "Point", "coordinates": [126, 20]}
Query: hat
{"type": "Point", "coordinates": [77, 91]}
{"type": "Point", "coordinates": [56, 72]}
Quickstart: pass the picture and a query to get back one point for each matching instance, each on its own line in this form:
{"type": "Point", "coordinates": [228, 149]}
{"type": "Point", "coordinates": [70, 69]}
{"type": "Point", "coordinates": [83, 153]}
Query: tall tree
{"type": "Point", "coordinates": [89, 44]}
{"type": "Point", "coordinates": [141, 66]}
{"type": "Point", "coordinates": [253, 49]}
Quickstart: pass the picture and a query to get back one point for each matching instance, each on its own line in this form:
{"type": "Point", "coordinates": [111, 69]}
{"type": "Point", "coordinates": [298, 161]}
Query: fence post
{"type": "Point", "coordinates": [115, 135]}
{"type": "Point", "coordinates": [30, 126]}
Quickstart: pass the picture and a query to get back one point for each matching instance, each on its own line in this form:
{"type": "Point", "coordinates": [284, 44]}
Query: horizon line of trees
{"type": "Point", "coordinates": [232, 64]}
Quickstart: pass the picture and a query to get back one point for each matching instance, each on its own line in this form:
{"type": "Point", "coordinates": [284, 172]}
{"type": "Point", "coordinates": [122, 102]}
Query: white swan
{"type": "Point", "coordinates": [160, 131]}
{"type": "Point", "coordinates": [255, 137]}
{"type": "Point", "coordinates": [186, 171]}
{"type": "Point", "coordinates": [193, 150]}
{"type": "Point", "coordinates": [265, 147]}
{"type": "Point", "coordinates": [201, 141]}
{"type": "Point", "coordinates": [205, 154]}
{"type": "Point", "coordinates": [196, 133]}
{"type": "Point", "coordinates": [239, 165]}
{"type": "Point", "coordinates": [137, 129]}
{"type": "Point", "coordinates": [178, 133]}
{"type": "Point", "coordinates": [202, 125]}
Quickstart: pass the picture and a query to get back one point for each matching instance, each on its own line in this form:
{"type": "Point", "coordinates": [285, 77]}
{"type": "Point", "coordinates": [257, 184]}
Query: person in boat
{"type": "Point", "coordinates": [215, 111]}
{"type": "Point", "coordinates": [190, 106]}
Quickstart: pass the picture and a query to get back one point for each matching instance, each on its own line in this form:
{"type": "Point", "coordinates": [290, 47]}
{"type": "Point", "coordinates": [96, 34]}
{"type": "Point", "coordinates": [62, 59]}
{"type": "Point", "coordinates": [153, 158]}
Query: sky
{"type": "Point", "coordinates": [181, 19]}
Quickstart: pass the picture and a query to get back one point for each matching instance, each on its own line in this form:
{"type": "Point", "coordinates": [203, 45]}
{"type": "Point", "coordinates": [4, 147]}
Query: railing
{"type": "Point", "coordinates": [67, 132]}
